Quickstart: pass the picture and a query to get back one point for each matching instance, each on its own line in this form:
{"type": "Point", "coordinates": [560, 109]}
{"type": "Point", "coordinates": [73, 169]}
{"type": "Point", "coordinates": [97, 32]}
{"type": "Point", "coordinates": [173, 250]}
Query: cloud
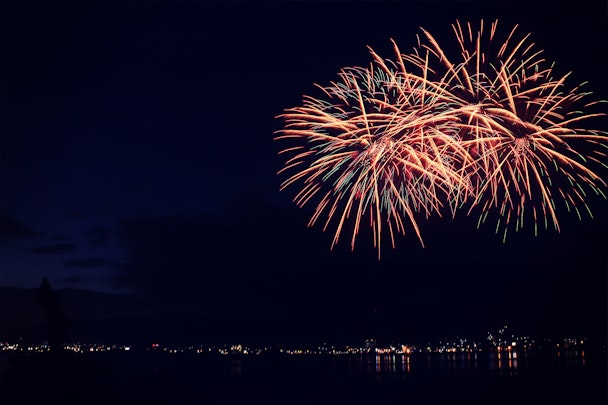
{"type": "Point", "coordinates": [260, 260]}
{"type": "Point", "coordinates": [56, 249]}
{"type": "Point", "coordinates": [11, 228]}
{"type": "Point", "coordinates": [172, 257]}
{"type": "Point", "coordinates": [99, 236]}
{"type": "Point", "coordinates": [257, 259]}
{"type": "Point", "coordinates": [75, 279]}
{"type": "Point", "coordinates": [90, 262]}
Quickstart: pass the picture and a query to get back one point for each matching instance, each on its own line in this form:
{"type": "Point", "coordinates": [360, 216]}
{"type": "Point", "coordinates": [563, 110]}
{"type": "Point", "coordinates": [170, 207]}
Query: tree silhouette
{"type": "Point", "coordinates": [56, 328]}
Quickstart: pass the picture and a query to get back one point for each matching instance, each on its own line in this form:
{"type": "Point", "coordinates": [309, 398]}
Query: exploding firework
{"type": "Point", "coordinates": [380, 146]}
{"type": "Point", "coordinates": [520, 126]}
{"type": "Point", "coordinates": [400, 140]}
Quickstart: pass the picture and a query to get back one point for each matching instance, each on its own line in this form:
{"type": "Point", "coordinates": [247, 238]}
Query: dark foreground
{"type": "Point", "coordinates": [159, 378]}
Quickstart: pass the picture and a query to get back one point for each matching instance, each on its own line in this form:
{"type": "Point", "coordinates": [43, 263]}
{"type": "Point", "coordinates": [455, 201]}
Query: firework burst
{"type": "Point", "coordinates": [377, 147]}
{"type": "Point", "coordinates": [402, 139]}
{"type": "Point", "coordinates": [520, 126]}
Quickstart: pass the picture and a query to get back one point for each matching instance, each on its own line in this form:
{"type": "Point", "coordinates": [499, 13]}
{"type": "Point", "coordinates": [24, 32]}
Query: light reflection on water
{"type": "Point", "coordinates": [506, 363]}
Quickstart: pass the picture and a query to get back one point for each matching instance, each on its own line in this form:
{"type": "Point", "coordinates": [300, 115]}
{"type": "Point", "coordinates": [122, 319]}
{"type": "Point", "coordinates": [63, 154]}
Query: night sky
{"type": "Point", "coordinates": [138, 173]}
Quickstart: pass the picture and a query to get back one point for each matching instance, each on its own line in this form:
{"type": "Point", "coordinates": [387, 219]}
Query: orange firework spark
{"type": "Point", "coordinates": [519, 125]}
{"type": "Point", "coordinates": [380, 146]}
{"type": "Point", "coordinates": [491, 125]}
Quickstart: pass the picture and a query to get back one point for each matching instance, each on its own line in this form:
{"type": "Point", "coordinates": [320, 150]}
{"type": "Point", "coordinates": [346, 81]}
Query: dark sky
{"type": "Point", "coordinates": [138, 157]}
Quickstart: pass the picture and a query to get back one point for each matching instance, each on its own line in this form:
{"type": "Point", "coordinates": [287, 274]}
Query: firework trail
{"type": "Point", "coordinates": [402, 139]}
